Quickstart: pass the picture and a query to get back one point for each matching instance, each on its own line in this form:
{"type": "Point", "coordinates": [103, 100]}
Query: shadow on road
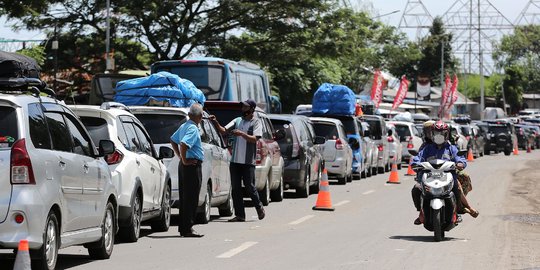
{"type": "Point", "coordinates": [65, 261]}
{"type": "Point", "coordinates": [421, 238]}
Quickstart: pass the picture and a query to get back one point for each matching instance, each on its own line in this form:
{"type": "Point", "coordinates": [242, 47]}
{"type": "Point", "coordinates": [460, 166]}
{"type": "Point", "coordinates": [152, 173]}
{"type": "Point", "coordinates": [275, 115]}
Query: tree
{"type": "Point", "coordinates": [431, 47]}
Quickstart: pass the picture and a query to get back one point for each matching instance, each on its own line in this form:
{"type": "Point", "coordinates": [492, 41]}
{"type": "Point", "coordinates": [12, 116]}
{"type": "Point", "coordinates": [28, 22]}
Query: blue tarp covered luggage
{"type": "Point", "coordinates": [158, 88]}
{"type": "Point", "coordinates": [334, 100]}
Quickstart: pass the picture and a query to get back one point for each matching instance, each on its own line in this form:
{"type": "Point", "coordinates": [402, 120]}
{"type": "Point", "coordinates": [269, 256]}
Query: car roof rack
{"type": "Point", "coordinates": [109, 104]}
{"type": "Point", "coordinates": [22, 85]}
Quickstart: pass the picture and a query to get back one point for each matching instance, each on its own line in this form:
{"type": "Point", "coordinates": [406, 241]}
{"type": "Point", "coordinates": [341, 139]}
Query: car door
{"type": "Point", "coordinates": [216, 159]}
{"type": "Point", "coordinates": [225, 158]}
{"type": "Point", "coordinates": [143, 165]}
{"type": "Point", "coordinates": [93, 185]}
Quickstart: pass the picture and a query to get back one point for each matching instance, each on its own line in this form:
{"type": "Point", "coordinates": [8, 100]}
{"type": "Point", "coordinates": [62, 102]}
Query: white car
{"type": "Point", "coordinates": [303, 109]}
{"type": "Point", "coordinates": [55, 187]}
{"type": "Point", "coordinates": [394, 145]}
{"type": "Point", "coordinates": [461, 141]}
{"type": "Point", "coordinates": [409, 137]}
{"type": "Point", "coordinates": [141, 179]}
{"type": "Point", "coordinates": [161, 123]}
{"type": "Point", "coordinates": [337, 152]}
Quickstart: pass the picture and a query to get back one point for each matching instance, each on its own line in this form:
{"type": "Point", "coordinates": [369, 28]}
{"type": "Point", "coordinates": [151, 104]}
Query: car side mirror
{"type": "Point", "coordinates": [279, 135]}
{"type": "Point", "coordinates": [319, 140]}
{"type": "Point", "coordinates": [165, 152]}
{"type": "Point", "coordinates": [413, 152]}
{"type": "Point", "coordinates": [355, 145]}
{"type": "Point", "coordinates": [106, 147]}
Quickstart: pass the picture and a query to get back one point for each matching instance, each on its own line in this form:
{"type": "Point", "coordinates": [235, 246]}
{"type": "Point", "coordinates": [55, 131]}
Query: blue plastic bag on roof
{"type": "Point", "coordinates": [334, 99]}
{"type": "Point", "coordinates": [162, 88]}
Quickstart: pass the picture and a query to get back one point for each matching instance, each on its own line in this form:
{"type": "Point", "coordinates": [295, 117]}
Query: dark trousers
{"type": "Point", "coordinates": [189, 185]}
{"type": "Point", "coordinates": [243, 173]}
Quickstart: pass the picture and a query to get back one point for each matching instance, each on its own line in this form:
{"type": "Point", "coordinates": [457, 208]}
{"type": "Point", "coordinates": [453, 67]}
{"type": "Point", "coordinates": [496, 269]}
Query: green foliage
{"type": "Point", "coordinates": [36, 52]}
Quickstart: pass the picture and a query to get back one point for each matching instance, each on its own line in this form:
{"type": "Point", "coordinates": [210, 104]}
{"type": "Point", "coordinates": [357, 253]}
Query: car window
{"type": "Point", "coordinates": [326, 130]}
{"type": "Point", "coordinates": [9, 127]}
{"type": "Point", "coordinates": [161, 127]}
{"type": "Point", "coordinates": [209, 133]}
{"type": "Point", "coordinates": [145, 143]}
{"type": "Point", "coordinates": [134, 145]}
{"type": "Point", "coordinates": [81, 142]}
{"type": "Point", "coordinates": [97, 128]}
{"type": "Point", "coordinates": [267, 133]}
{"type": "Point", "coordinates": [415, 131]}
{"type": "Point", "coordinates": [311, 132]}
{"type": "Point", "coordinates": [403, 131]}
{"type": "Point", "coordinates": [342, 131]}
{"type": "Point", "coordinates": [39, 133]}
{"type": "Point", "coordinates": [61, 139]}
{"type": "Point", "coordinates": [376, 128]}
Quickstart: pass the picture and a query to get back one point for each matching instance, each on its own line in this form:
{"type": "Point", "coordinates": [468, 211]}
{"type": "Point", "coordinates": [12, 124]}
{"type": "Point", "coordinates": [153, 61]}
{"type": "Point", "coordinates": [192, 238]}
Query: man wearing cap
{"type": "Point", "coordinates": [246, 131]}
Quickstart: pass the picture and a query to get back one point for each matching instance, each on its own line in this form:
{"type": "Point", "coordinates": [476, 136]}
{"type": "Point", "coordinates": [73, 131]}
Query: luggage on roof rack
{"type": "Point", "coordinates": [14, 65]}
{"type": "Point", "coordinates": [334, 100]}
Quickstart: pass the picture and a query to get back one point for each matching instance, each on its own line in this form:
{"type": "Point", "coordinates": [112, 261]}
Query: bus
{"type": "Point", "coordinates": [222, 79]}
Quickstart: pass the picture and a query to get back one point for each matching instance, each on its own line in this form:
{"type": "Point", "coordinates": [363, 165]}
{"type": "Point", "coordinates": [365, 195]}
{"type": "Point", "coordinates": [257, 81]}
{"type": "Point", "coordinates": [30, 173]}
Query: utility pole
{"type": "Point", "coordinates": [482, 101]}
{"type": "Point", "coordinates": [54, 46]}
{"type": "Point", "coordinates": [107, 39]}
{"type": "Point", "coordinates": [442, 63]}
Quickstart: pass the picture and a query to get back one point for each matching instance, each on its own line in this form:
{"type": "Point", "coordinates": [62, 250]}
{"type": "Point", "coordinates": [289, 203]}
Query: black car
{"type": "Point", "coordinates": [525, 136]}
{"type": "Point", "coordinates": [303, 162]}
{"type": "Point", "coordinates": [499, 138]}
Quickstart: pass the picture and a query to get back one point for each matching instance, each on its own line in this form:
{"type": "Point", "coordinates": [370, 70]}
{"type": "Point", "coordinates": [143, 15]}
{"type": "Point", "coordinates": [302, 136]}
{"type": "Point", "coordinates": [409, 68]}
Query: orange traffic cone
{"type": "Point", "coordinates": [22, 261]}
{"type": "Point", "coordinates": [410, 171]}
{"type": "Point", "coordinates": [394, 177]}
{"type": "Point", "coordinates": [516, 152]}
{"type": "Point", "coordinates": [323, 198]}
{"type": "Point", "coordinates": [470, 156]}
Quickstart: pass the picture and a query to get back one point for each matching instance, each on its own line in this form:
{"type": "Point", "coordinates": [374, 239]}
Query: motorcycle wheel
{"type": "Point", "coordinates": [437, 228]}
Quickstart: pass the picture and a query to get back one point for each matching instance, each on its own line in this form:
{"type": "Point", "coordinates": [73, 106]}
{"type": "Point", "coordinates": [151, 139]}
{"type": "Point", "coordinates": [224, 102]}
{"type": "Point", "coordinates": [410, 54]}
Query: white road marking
{"type": "Point", "coordinates": [342, 203]}
{"type": "Point", "coordinates": [237, 250]}
{"type": "Point", "coordinates": [302, 219]}
{"type": "Point", "coordinates": [368, 192]}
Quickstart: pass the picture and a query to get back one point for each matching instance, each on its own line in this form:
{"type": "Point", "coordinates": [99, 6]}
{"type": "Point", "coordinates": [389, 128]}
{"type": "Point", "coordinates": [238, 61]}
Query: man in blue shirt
{"type": "Point", "coordinates": [191, 156]}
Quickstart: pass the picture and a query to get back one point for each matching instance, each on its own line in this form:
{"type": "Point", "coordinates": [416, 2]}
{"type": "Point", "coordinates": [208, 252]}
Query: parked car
{"type": "Point", "coordinates": [458, 138]}
{"type": "Point", "coordinates": [475, 143]}
{"type": "Point", "coordinates": [352, 129]}
{"type": "Point", "coordinates": [141, 179]}
{"type": "Point", "coordinates": [409, 137]}
{"type": "Point", "coordinates": [161, 123]}
{"type": "Point", "coordinates": [377, 126]}
{"type": "Point", "coordinates": [337, 152]}
{"type": "Point", "coordinates": [303, 159]}
{"type": "Point", "coordinates": [525, 136]}
{"type": "Point", "coordinates": [55, 185]}
{"type": "Point", "coordinates": [536, 131]}
{"type": "Point", "coordinates": [395, 149]}
{"type": "Point", "coordinates": [499, 138]}
{"type": "Point", "coordinates": [269, 162]}
{"type": "Point", "coordinates": [479, 136]}
{"type": "Point", "coordinates": [371, 153]}
{"type": "Point", "coordinates": [303, 109]}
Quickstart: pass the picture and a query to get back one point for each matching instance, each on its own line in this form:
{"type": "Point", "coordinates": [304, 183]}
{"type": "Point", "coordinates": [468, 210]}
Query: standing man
{"type": "Point", "coordinates": [189, 170]}
{"type": "Point", "coordinates": [246, 130]}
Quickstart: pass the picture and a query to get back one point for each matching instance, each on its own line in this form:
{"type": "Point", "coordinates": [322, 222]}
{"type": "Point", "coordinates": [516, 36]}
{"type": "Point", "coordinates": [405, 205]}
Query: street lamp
{"type": "Point", "coordinates": [386, 14]}
{"type": "Point", "coordinates": [54, 46]}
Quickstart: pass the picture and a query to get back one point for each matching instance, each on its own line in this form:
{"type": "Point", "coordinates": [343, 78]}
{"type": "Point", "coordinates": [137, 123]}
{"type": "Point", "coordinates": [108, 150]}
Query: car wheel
{"type": "Point", "coordinates": [303, 192]}
{"type": "Point", "coordinates": [104, 247]}
{"type": "Point", "coordinates": [368, 172]}
{"type": "Point", "coordinates": [226, 209]}
{"type": "Point", "coordinates": [387, 167]}
{"type": "Point", "coordinates": [164, 221]}
{"type": "Point", "coordinates": [264, 194]}
{"type": "Point", "coordinates": [277, 194]}
{"type": "Point", "coordinates": [47, 255]}
{"type": "Point", "coordinates": [131, 233]}
{"type": "Point", "coordinates": [374, 170]}
{"type": "Point", "coordinates": [399, 166]}
{"type": "Point", "coordinates": [381, 169]}
{"type": "Point", "coordinates": [204, 216]}
{"type": "Point", "coordinates": [315, 188]}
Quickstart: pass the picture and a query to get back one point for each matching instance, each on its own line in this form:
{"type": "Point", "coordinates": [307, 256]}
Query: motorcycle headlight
{"type": "Point", "coordinates": [437, 191]}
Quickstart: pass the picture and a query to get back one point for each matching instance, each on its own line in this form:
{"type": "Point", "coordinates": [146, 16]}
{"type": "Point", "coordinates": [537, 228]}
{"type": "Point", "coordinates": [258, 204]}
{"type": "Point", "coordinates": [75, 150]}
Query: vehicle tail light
{"type": "Point", "coordinates": [468, 137]}
{"type": "Point", "coordinates": [21, 166]}
{"type": "Point", "coordinates": [188, 61]}
{"type": "Point", "coordinates": [380, 147]}
{"type": "Point", "coordinates": [115, 157]}
{"type": "Point", "coordinates": [339, 144]}
{"type": "Point", "coordinates": [410, 144]}
{"type": "Point", "coordinates": [390, 139]}
{"type": "Point", "coordinates": [259, 153]}
{"type": "Point", "coordinates": [295, 150]}
{"type": "Point", "coordinates": [19, 218]}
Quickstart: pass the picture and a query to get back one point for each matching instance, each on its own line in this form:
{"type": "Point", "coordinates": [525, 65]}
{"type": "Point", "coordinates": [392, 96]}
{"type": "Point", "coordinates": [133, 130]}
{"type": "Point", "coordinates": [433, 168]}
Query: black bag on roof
{"type": "Point", "coordinates": [14, 65]}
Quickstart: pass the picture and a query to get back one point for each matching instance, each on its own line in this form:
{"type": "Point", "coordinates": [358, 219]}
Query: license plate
{"type": "Point", "coordinates": [4, 145]}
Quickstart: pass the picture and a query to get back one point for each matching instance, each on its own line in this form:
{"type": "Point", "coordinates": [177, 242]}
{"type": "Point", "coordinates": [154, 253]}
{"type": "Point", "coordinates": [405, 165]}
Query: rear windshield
{"type": "Point", "coordinates": [97, 127]}
{"type": "Point", "coordinates": [225, 116]}
{"type": "Point", "coordinates": [403, 131]}
{"type": "Point", "coordinates": [375, 127]}
{"type": "Point", "coordinates": [466, 130]}
{"type": "Point", "coordinates": [328, 131]}
{"type": "Point", "coordinates": [289, 139]}
{"type": "Point", "coordinates": [161, 127]}
{"type": "Point", "coordinates": [207, 78]}
{"type": "Point", "coordinates": [498, 129]}
{"type": "Point", "coordinates": [8, 126]}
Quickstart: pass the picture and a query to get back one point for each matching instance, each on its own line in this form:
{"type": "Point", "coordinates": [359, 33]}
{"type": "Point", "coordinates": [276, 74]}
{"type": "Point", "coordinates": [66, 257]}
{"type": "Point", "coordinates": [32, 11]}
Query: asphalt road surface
{"type": "Point", "coordinates": [371, 228]}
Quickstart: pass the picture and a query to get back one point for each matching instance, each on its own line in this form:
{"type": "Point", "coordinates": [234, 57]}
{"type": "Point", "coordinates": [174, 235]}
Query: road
{"type": "Point", "coordinates": [371, 228]}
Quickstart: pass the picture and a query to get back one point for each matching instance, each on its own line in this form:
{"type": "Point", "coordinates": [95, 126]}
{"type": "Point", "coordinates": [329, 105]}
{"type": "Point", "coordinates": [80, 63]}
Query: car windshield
{"type": "Point", "coordinates": [498, 129]}
{"type": "Point", "coordinates": [207, 78]}
{"type": "Point", "coordinates": [224, 116]}
{"type": "Point", "coordinates": [403, 131]}
{"type": "Point", "coordinates": [326, 130]}
{"type": "Point", "coordinates": [375, 127]}
{"type": "Point", "coordinates": [466, 130]}
{"type": "Point", "coordinates": [9, 132]}
{"type": "Point", "coordinates": [97, 127]}
{"type": "Point", "coordinates": [289, 139]}
{"type": "Point", "coordinates": [160, 127]}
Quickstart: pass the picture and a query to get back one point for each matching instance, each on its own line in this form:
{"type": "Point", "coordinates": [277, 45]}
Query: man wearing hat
{"type": "Point", "coordinates": [246, 131]}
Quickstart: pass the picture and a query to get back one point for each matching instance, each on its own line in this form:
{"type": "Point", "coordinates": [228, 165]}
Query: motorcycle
{"type": "Point", "coordinates": [438, 200]}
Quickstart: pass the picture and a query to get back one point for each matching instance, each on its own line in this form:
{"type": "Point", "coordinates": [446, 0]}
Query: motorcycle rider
{"type": "Point", "coordinates": [440, 148]}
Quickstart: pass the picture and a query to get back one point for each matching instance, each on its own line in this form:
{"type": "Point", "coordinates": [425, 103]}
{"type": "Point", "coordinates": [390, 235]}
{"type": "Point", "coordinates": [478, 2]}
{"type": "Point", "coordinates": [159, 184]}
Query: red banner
{"type": "Point", "coordinates": [453, 93]}
{"type": "Point", "coordinates": [376, 88]}
{"type": "Point", "coordinates": [401, 93]}
{"type": "Point", "coordinates": [445, 95]}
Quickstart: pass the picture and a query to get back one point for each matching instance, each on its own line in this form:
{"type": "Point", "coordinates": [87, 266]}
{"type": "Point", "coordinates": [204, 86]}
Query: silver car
{"type": "Point", "coordinates": [394, 145]}
{"type": "Point", "coordinates": [55, 187]}
{"type": "Point", "coordinates": [161, 123]}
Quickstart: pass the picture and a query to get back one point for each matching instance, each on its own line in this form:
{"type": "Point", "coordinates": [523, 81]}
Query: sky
{"type": "Point", "coordinates": [510, 9]}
